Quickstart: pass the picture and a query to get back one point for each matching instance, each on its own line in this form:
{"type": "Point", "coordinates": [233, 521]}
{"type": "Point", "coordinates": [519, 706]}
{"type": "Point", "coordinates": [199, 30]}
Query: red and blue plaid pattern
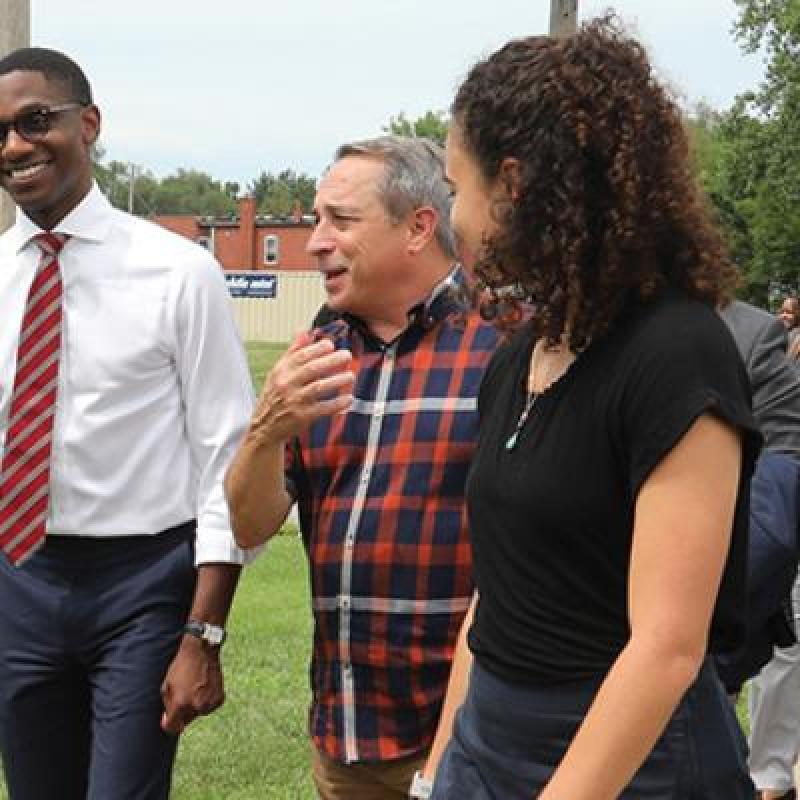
{"type": "Point", "coordinates": [380, 493]}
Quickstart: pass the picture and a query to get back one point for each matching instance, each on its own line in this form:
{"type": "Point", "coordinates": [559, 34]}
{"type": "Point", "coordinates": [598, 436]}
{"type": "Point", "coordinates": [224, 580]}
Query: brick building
{"type": "Point", "coordinates": [249, 241]}
{"type": "Point", "coordinates": [265, 244]}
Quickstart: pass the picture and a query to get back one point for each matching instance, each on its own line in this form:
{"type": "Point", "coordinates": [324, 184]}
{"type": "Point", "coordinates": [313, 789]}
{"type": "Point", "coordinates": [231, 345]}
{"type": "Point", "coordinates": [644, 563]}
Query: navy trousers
{"type": "Point", "coordinates": [508, 740]}
{"type": "Point", "coordinates": [88, 628]}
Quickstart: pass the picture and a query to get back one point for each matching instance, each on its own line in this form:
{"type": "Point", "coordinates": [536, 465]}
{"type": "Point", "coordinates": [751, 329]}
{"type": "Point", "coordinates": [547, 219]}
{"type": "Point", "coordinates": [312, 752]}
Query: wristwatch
{"type": "Point", "coordinates": [421, 788]}
{"type": "Point", "coordinates": [211, 634]}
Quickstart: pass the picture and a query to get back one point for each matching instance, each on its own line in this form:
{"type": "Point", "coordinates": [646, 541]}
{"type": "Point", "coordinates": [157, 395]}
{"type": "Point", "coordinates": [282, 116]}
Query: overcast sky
{"type": "Point", "coordinates": [235, 87]}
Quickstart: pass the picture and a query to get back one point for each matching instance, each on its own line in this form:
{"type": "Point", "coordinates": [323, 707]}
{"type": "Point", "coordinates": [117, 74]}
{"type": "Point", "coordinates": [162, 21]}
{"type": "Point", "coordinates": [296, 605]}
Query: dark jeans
{"type": "Point", "coordinates": [508, 740]}
{"type": "Point", "coordinates": [88, 628]}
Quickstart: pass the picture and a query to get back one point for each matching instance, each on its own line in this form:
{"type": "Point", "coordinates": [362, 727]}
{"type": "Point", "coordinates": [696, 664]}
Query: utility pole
{"type": "Point", "coordinates": [15, 32]}
{"type": "Point", "coordinates": [563, 17]}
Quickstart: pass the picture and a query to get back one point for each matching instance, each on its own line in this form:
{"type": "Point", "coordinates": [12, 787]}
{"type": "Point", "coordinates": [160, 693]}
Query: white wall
{"type": "Point", "coordinates": [299, 296]}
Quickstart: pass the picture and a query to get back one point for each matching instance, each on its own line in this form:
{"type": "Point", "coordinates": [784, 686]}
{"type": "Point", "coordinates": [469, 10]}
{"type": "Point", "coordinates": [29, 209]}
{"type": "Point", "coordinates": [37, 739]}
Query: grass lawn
{"type": "Point", "coordinates": [262, 355]}
{"type": "Point", "coordinates": [256, 746]}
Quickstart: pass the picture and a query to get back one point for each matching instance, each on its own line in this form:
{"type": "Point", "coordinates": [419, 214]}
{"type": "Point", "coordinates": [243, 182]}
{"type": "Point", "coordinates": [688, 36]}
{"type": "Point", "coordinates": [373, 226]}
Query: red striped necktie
{"type": "Point", "coordinates": [25, 470]}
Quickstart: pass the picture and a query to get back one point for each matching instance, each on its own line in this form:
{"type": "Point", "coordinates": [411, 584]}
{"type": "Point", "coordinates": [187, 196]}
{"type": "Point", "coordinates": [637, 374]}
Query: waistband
{"type": "Point", "coordinates": [88, 546]}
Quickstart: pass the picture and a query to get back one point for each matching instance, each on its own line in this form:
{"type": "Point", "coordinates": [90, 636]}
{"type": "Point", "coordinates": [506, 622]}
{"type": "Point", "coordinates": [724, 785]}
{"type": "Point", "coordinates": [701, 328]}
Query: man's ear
{"type": "Point", "coordinates": [510, 177]}
{"type": "Point", "coordinates": [421, 228]}
{"type": "Point", "coordinates": [90, 124]}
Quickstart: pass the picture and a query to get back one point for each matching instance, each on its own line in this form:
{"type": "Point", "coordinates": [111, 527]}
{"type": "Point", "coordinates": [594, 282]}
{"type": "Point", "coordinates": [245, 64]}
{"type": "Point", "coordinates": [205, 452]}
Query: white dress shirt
{"type": "Point", "coordinates": [154, 390]}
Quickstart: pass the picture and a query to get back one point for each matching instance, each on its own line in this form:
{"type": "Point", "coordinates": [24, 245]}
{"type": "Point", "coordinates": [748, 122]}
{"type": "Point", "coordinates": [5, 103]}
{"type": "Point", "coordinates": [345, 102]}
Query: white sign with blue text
{"type": "Point", "coordinates": [252, 284]}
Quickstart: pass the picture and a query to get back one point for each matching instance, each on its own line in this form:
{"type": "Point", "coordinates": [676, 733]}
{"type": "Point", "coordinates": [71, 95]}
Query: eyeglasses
{"type": "Point", "coordinates": [34, 125]}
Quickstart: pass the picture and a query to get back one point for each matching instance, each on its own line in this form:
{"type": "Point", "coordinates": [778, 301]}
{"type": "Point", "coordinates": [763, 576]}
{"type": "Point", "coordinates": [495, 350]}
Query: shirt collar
{"type": "Point", "coordinates": [447, 296]}
{"type": "Point", "coordinates": [90, 220]}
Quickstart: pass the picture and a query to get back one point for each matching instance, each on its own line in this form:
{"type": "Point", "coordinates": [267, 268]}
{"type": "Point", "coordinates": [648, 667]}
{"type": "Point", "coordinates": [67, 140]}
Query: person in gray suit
{"type": "Point", "coordinates": [762, 341]}
{"type": "Point", "coordinates": [775, 692]}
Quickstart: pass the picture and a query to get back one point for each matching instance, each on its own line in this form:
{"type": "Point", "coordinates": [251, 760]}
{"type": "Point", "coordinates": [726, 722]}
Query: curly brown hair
{"type": "Point", "coordinates": [608, 208]}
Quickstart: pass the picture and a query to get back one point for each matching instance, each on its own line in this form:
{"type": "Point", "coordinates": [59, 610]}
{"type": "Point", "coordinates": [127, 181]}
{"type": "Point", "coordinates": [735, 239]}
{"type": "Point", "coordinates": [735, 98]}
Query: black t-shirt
{"type": "Point", "coordinates": [552, 519]}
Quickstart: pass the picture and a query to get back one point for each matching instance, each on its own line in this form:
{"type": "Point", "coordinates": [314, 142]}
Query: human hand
{"type": "Point", "coordinates": [311, 380]}
{"type": "Point", "coordinates": [193, 685]}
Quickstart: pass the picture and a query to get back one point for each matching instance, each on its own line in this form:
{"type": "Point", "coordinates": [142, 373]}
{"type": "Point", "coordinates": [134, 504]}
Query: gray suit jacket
{"type": "Point", "coordinates": [775, 383]}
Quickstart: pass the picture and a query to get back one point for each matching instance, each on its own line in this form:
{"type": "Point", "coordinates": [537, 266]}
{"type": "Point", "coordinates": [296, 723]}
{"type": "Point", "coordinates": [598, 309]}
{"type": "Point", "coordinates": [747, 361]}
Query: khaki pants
{"type": "Point", "coordinates": [382, 780]}
{"type": "Point", "coordinates": [775, 715]}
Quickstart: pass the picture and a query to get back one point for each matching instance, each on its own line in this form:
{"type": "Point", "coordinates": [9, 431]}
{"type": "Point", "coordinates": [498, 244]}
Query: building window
{"type": "Point", "coordinates": [272, 247]}
{"type": "Point", "coordinates": [204, 241]}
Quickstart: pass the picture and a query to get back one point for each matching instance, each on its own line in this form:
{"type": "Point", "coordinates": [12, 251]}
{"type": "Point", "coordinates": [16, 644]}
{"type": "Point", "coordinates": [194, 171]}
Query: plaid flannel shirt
{"type": "Point", "coordinates": [380, 494]}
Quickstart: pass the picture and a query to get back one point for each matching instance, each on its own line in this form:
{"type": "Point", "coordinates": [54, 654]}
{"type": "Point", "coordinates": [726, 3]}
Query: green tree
{"type": "Point", "coordinates": [748, 157]}
{"type": "Point", "coordinates": [190, 191]}
{"type": "Point", "coordinates": [114, 180]}
{"type": "Point", "coordinates": [702, 123]}
{"type": "Point", "coordinates": [432, 125]}
{"type": "Point", "coordinates": [281, 194]}
{"type": "Point", "coordinates": [714, 136]}
{"type": "Point", "coordinates": [762, 138]}
{"type": "Point", "coordinates": [773, 25]}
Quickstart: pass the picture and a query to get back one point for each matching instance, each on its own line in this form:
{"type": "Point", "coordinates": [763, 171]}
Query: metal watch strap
{"type": "Point", "coordinates": [211, 634]}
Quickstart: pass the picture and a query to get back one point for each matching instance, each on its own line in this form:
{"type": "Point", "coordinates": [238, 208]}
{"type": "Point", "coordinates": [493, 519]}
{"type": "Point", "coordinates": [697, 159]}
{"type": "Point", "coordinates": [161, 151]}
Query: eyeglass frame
{"type": "Point", "coordinates": [6, 127]}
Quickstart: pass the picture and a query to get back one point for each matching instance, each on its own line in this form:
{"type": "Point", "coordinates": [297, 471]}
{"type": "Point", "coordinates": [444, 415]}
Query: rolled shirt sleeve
{"type": "Point", "coordinates": [217, 394]}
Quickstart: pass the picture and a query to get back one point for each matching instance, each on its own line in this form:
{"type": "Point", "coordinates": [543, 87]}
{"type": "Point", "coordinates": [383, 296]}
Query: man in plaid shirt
{"type": "Point", "coordinates": [369, 424]}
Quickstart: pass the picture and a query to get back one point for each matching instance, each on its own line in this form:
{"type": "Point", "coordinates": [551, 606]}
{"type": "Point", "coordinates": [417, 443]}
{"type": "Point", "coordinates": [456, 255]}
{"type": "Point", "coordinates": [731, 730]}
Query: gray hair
{"type": "Point", "coordinates": [414, 177]}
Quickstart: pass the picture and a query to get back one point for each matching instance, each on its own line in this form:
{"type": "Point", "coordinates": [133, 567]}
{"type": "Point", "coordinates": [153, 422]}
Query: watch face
{"type": "Point", "coordinates": [213, 634]}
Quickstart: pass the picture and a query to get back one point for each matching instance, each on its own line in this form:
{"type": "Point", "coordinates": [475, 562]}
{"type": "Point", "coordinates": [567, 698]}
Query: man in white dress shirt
{"type": "Point", "coordinates": [112, 620]}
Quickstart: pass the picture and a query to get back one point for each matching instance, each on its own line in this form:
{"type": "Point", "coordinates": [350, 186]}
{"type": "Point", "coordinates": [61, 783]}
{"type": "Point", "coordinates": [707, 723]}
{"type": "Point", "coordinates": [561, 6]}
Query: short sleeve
{"type": "Point", "coordinates": [684, 364]}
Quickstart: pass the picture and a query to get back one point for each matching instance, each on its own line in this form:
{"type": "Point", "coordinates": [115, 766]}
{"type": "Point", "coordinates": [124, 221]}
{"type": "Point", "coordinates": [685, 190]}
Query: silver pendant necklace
{"type": "Point", "coordinates": [530, 402]}
{"type": "Point", "coordinates": [545, 380]}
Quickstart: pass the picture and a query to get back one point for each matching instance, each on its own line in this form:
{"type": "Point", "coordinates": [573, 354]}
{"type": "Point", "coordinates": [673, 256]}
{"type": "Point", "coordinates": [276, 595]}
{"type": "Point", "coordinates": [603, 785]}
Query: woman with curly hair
{"type": "Point", "coordinates": [608, 497]}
